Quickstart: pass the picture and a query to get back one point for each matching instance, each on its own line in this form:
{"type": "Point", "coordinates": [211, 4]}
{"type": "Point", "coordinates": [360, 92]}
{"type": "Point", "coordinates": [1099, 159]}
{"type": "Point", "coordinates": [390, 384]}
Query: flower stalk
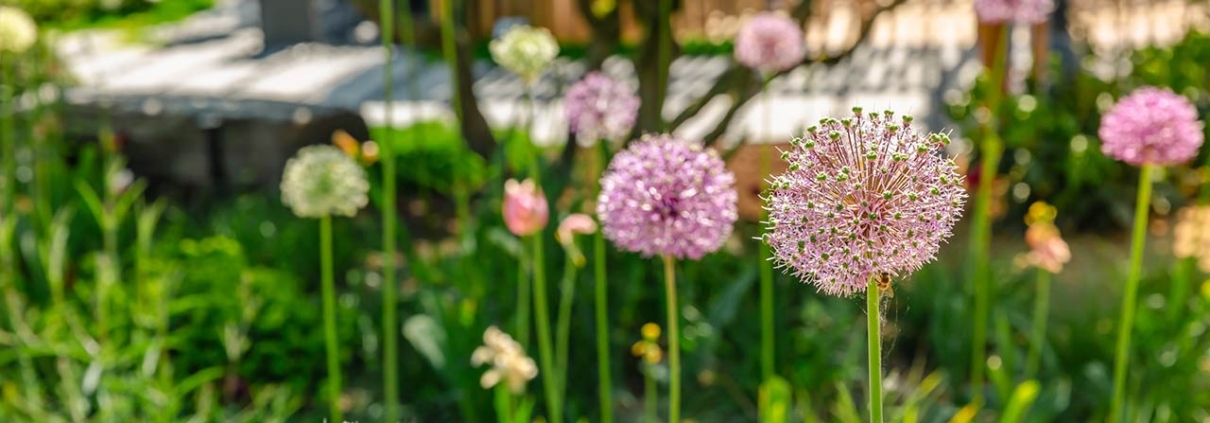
{"type": "Point", "coordinates": [674, 342]}
{"type": "Point", "coordinates": [1131, 293]}
{"type": "Point", "coordinates": [329, 317]}
{"type": "Point", "coordinates": [874, 339]}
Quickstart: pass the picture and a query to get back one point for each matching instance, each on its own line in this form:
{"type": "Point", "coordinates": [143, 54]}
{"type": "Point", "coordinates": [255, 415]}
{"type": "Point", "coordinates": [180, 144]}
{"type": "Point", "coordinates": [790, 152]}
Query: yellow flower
{"type": "Point", "coordinates": [649, 347]}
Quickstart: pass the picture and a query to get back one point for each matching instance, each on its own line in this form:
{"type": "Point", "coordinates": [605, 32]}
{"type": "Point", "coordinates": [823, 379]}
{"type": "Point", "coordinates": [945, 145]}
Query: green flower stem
{"type": "Point", "coordinates": [554, 407]}
{"type": "Point", "coordinates": [650, 396]}
{"type": "Point", "coordinates": [874, 337]}
{"type": "Point", "coordinates": [1131, 294]}
{"type": "Point", "coordinates": [567, 294]}
{"type": "Point", "coordinates": [767, 356]}
{"type": "Point", "coordinates": [674, 342]}
{"type": "Point", "coordinates": [390, 294]}
{"type": "Point", "coordinates": [523, 301]}
{"type": "Point", "coordinates": [605, 389]}
{"type": "Point", "coordinates": [1038, 335]}
{"type": "Point", "coordinates": [991, 149]}
{"type": "Point", "coordinates": [329, 315]}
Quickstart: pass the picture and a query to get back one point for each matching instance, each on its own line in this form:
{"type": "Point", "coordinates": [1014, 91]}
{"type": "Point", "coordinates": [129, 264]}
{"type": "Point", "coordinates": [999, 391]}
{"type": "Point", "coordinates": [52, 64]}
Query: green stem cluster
{"type": "Point", "coordinates": [1131, 295]}
{"type": "Point", "coordinates": [991, 148]}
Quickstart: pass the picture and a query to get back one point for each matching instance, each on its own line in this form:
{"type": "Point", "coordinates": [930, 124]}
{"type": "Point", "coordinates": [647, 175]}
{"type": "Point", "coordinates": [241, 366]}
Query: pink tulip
{"type": "Point", "coordinates": [525, 209]}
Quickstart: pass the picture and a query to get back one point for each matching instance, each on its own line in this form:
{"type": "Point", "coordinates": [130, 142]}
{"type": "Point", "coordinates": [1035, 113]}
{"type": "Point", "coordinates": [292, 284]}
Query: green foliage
{"type": "Point", "coordinates": [129, 14]}
{"type": "Point", "coordinates": [1053, 153]}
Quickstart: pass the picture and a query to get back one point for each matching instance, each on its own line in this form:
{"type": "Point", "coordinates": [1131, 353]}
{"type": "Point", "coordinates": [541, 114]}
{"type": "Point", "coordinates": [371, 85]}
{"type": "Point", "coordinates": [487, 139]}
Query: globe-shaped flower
{"type": "Point", "coordinates": [17, 30]}
{"type": "Point", "coordinates": [1151, 126]}
{"type": "Point", "coordinates": [669, 197]}
{"type": "Point", "coordinates": [322, 181]}
{"type": "Point", "coordinates": [525, 208]}
{"type": "Point", "coordinates": [770, 43]}
{"type": "Point", "coordinates": [600, 108]}
{"type": "Point", "coordinates": [525, 50]}
{"type": "Point", "coordinates": [1027, 12]}
{"type": "Point", "coordinates": [863, 196]}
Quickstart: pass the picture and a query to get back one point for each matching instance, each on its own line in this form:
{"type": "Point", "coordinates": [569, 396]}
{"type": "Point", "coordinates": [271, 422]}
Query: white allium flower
{"type": "Point", "coordinates": [17, 30]}
{"type": "Point", "coordinates": [525, 50]}
{"type": "Point", "coordinates": [322, 181]}
{"type": "Point", "coordinates": [508, 360]}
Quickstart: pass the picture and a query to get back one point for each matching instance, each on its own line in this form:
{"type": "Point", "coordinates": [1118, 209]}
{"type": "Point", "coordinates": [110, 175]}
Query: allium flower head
{"type": "Point", "coordinates": [525, 50]}
{"type": "Point", "coordinates": [1027, 12]}
{"type": "Point", "coordinates": [508, 360]}
{"type": "Point", "coordinates": [600, 108]}
{"type": "Point", "coordinates": [17, 30]}
{"type": "Point", "coordinates": [862, 196]}
{"type": "Point", "coordinates": [770, 43]}
{"type": "Point", "coordinates": [1151, 126]}
{"type": "Point", "coordinates": [322, 181]}
{"type": "Point", "coordinates": [669, 197]}
{"type": "Point", "coordinates": [525, 208]}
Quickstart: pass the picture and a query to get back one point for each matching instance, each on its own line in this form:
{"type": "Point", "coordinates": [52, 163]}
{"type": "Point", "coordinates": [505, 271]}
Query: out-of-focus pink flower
{"type": "Point", "coordinates": [863, 196]}
{"type": "Point", "coordinates": [1027, 12]}
{"type": "Point", "coordinates": [576, 224]}
{"type": "Point", "coordinates": [1151, 126]}
{"type": "Point", "coordinates": [770, 43]}
{"type": "Point", "coordinates": [525, 208]}
{"type": "Point", "coordinates": [600, 108]}
{"type": "Point", "coordinates": [1048, 250]}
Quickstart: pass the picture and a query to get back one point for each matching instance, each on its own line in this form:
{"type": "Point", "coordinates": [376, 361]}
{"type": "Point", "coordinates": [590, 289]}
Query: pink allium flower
{"type": "Point", "coordinates": [669, 197]}
{"type": "Point", "coordinates": [770, 43]}
{"type": "Point", "coordinates": [1013, 11]}
{"type": "Point", "coordinates": [862, 196]}
{"type": "Point", "coordinates": [1151, 126]}
{"type": "Point", "coordinates": [525, 209]}
{"type": "Point", "coordinates": [600, 108]}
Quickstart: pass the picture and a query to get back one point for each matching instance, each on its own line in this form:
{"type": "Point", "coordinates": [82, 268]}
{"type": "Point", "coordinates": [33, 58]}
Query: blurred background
{"type": "Point", "coordinates": [153, 274]}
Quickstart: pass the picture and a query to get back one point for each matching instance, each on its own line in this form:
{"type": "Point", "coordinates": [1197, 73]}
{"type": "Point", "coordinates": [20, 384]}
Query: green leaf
{"type": "Point", "coordinates": [427, 337]}
{"type": "Point", "coordinates": [1023, 396]}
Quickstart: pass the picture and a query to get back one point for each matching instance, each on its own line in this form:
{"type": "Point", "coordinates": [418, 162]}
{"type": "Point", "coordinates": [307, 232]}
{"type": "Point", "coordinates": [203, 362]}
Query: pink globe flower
{"type": "Point", "coordinates": [599, 108]}
{"type": "Point", "coordinates": [863, 196]}
{"type": "Point", "coordinates": [1027, 12]}
{"type": "Point", "coordinates": [666, 196]}
{"type": "Point", "coordinates": [1151, 126]}
{"type": "Point", "coordinates": [770, 43]}
{"type": "Point", "coordinates": [525, 209]}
